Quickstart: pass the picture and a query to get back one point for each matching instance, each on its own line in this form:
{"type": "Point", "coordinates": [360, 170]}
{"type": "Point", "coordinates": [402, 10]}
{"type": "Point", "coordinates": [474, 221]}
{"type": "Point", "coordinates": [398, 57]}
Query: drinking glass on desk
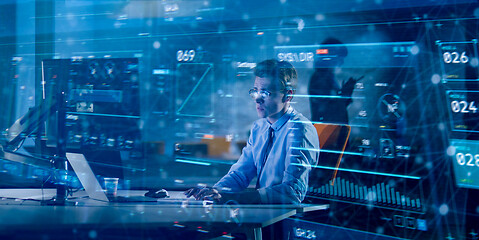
{"type": "Point", "coordinates": [111, 186]}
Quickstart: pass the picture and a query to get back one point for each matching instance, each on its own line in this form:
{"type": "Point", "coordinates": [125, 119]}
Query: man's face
{"type": "Point", "coordinates": [274, 106]}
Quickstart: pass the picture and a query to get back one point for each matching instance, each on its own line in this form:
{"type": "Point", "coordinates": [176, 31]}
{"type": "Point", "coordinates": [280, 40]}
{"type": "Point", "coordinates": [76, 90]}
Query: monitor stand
{"type": "Point", "coordinates": [61, 197]}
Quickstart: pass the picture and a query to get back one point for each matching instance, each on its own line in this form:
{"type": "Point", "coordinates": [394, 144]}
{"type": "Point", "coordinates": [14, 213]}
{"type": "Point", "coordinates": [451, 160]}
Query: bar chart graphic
{"type": "Point", "coordinates": [380, 194]}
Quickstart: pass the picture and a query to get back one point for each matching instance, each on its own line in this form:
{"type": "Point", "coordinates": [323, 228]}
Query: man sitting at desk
{"type": "Point", "coordinates": [278, 151]}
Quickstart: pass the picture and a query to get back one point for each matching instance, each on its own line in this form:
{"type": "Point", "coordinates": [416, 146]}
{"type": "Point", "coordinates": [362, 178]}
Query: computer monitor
{"type": "Point", "coordinates": [97, 110]}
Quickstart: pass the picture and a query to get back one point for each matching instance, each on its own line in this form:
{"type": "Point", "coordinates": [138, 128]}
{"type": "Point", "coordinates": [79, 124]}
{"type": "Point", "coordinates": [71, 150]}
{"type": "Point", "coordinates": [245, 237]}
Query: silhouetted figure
{"type": "Point", "coordinates": [329, 100]}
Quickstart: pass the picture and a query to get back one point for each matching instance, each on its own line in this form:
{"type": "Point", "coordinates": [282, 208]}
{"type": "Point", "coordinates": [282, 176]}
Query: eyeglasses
{"type": "Point", "coordinates": [255, 93]}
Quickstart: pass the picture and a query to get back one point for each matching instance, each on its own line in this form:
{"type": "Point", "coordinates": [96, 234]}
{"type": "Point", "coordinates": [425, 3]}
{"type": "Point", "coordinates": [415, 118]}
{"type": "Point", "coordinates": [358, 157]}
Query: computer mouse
{"type": "Point", "coordinates": [162, 193]}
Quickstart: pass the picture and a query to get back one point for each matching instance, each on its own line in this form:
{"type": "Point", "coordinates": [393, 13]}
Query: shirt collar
{"type": "Point", "coordinates": [283, 119]}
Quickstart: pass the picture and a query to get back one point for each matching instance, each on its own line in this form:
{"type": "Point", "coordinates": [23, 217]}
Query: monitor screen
{"type": "Point", "coordinates": [100, 102]}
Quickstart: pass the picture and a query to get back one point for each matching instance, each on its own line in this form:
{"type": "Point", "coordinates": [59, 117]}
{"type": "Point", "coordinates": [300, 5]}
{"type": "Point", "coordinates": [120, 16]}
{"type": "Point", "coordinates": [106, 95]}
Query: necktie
{"type": "Point", "coordinates": [269, 144]}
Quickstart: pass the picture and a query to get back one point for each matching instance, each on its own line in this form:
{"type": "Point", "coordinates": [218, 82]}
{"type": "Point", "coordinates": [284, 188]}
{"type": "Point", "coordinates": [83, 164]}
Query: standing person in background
{"type": "Point", "coordinates": [334, 98]}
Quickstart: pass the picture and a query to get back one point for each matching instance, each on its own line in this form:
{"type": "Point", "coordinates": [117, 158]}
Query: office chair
{"type": "Point", "coordinates": [333, 139]}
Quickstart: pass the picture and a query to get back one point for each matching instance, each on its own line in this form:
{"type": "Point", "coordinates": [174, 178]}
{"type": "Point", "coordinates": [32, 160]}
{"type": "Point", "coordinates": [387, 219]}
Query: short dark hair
{"type": "Point", "coordinates": [339, 49]}
{"type": "Point", "coordinates": [334, 47]}
{"type": "Point", "coordinates": [282, 71]}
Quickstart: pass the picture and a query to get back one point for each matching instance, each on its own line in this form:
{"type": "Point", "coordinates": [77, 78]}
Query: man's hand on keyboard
{"type": "Point", "coordinates": [204, 193]}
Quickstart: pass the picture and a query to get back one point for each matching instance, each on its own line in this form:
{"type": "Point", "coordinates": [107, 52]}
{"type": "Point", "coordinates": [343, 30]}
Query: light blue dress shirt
{"type": "Point", "coordinates": [284, 178]}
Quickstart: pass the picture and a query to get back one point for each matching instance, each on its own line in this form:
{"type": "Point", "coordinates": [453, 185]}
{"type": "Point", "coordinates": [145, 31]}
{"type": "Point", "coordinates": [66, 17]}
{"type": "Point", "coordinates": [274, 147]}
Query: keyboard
{"type": "Point", "coordinates": [132, 199]}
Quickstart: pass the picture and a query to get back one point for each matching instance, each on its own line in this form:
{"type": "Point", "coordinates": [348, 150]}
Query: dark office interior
{"type": "Point", "coordinates": [155, 95]}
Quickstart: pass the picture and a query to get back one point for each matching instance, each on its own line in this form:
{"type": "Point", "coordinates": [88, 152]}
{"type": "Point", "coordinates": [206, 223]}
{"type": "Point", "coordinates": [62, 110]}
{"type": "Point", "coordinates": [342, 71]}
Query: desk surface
{"type": "Point", "coordinates": [166, 213]}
